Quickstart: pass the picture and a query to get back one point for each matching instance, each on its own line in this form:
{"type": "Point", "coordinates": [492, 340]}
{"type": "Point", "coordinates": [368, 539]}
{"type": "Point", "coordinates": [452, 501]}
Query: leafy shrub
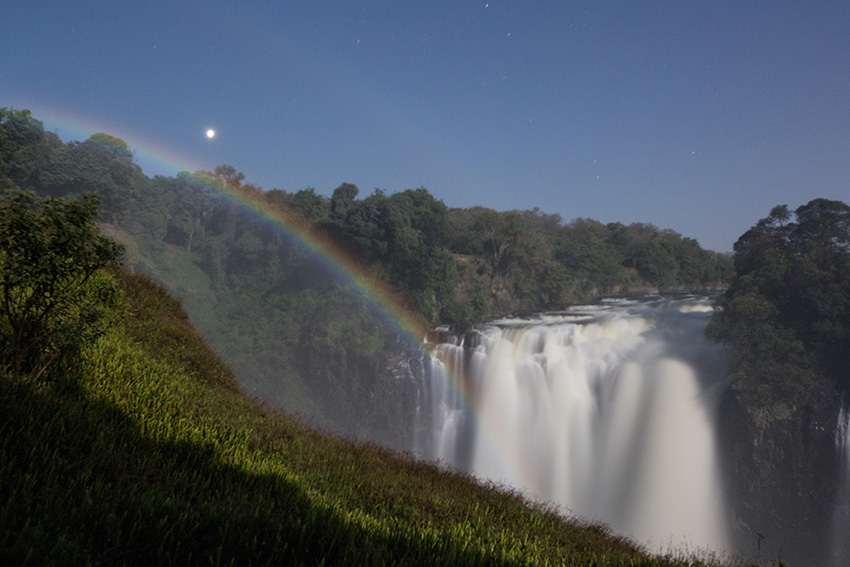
{"type": "Point", "coordinates": [54, 298]}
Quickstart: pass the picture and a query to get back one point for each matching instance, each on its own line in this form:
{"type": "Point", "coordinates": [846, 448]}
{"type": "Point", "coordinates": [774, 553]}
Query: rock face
{"type": "Point", "coordinates": [782, 481]}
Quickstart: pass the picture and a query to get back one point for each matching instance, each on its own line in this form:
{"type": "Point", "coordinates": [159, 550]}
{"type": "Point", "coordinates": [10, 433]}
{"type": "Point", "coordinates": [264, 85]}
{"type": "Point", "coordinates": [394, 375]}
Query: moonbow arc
{"type": "Point", "coordinates": [334, 260]}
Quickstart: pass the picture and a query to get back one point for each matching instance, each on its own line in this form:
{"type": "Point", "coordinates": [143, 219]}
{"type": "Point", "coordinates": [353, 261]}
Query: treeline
{"type": "Point", "coordinates": [451, 265]}
{"type": "Point", "coordinates": [786, 315]}
{"type": "Point", "coordinates": [463, 265]}
{"type": "Point", "coordinates": [302, 339]}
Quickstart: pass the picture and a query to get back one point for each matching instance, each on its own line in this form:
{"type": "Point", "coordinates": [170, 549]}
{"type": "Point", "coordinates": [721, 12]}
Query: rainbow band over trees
{"type": "Point", "coordinates": [333, 259]}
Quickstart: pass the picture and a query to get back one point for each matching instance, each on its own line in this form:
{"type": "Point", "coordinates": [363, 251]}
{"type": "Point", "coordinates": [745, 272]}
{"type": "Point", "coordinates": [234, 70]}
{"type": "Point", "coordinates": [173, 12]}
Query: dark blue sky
{"type": "Point", "coordinates": [695, 116]}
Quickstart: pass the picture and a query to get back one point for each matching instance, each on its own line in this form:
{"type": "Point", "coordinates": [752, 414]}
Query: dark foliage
{"type": "Point", "coordinates": [53, 297]}
{"type": "Point", "coordinates": [787, 313]}
{"type": "Point", "coordinates": [260, 296]}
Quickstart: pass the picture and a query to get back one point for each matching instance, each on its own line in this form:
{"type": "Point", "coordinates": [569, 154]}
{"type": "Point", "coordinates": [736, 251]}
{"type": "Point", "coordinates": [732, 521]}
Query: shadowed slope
{"type": "Point", "coordinates": [155, 458]}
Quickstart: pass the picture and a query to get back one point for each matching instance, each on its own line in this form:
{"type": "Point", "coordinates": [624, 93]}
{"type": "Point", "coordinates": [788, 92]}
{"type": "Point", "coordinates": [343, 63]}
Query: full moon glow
{"type": "Point", "coordinates": [210, 133]}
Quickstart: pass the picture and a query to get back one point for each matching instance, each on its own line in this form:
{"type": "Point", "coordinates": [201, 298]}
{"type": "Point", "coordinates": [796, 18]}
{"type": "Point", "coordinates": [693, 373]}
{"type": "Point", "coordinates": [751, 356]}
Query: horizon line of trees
{"type": "Point", "coordinates": [302, 339]}
{"type": "Point", "coordinates": [448, 265]}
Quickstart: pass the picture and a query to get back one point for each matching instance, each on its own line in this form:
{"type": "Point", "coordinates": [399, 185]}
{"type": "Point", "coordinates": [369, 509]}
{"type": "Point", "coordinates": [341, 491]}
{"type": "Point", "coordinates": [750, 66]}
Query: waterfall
{"type": "Point", "coordinates": [607, 411]}
{"type": "Point", "coordinates": [841, 517]}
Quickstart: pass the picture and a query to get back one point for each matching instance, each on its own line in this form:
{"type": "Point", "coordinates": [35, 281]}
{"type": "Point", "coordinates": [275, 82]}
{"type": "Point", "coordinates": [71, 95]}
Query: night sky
{"type": "Point", "coordinates": [695, 116]}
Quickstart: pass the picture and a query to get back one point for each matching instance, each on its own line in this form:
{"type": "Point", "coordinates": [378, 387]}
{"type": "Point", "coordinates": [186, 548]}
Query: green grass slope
{"type": "Point", "coordinates": [154, 458]}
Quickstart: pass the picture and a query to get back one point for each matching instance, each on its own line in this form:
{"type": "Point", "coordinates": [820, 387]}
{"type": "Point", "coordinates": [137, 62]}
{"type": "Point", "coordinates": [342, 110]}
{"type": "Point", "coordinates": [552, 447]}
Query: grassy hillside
{"type": "Point", "coordinates": [276, 310]}
{"type": "Point", "coordinates": [154, 458]}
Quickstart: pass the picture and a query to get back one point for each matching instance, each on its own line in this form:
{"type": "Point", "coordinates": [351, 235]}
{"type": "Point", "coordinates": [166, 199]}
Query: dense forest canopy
{"type": "Point", "coordinates": [786, 314]}
{"type": "Point", "coordinates": [522, 259]}
{"type": "Point", "coordinates": [294, 347]}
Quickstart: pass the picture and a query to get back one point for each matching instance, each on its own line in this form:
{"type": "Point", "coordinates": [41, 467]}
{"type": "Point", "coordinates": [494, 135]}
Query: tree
{"type": "Point", "coordinates": [786, 314]}
{"type": "Point", "coordinates": [500, 233]}
{"type": "Point", "coordinates": [307, 203]}
{"type": "Point", "coordinates": [54, 297]}
{"type": "Point", "coordinates": [102, 164]}
{"type": "Point", "coordinates": [342, 200]}
{"type": "Point", "coordinates": [585, 248]}
{"type": "Point", "coordinates": [111, 144]}
{"type": "Point", "coordinates": [27, 152]}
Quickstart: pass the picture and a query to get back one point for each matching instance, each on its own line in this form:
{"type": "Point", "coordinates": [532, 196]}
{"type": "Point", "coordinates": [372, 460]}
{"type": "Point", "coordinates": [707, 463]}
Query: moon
{"type": "Point", "coordinates": [210, 133]}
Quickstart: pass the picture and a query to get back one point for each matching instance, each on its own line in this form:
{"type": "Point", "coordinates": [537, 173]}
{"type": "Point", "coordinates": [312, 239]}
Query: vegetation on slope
{"type": "Point", "coordinates": [300, 338]}
{"type": "Point", "coordinates": [145, 453]}
{"type": "Point", "coordinates": [152, 457]}
{"type": "Point", "coordinates": [53, 297]}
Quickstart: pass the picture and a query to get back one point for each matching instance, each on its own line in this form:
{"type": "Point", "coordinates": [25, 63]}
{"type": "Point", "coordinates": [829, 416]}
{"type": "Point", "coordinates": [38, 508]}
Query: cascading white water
{"type": "Point", "coordinates": [608, 411]}
{"type": "Point", "coordinates": [841, 517]}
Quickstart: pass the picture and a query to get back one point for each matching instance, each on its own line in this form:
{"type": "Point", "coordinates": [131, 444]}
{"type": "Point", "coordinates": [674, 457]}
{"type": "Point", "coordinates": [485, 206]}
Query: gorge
{"type": "Point", "coordinates": [840, 543]}
{"type": "Point", "coordinates": [620, 413]}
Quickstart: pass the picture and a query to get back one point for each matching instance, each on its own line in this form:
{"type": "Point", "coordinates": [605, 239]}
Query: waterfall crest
{"type": "Point", "coordinates": [840, 545]}
{"type": "Point", "coordinates": [607, 411]}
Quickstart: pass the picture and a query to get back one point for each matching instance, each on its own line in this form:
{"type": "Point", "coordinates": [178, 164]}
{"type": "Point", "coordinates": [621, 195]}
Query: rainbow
{"type": "Point", "coordinates": [70, 126]}
{"type": "Point", "coordinates": [147, 154]}
{"type": "Point", "coordinates": [381, 299]}
{"type": "Point", "coordinates": [334, 260]}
